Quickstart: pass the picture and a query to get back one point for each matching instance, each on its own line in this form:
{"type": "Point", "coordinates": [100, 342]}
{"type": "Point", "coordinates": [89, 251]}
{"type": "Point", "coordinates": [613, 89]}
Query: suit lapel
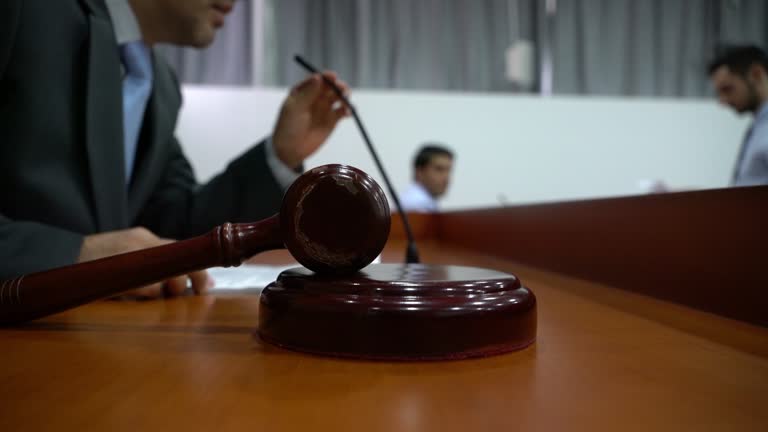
{"type": "Point", "coordinates": [104, 122]}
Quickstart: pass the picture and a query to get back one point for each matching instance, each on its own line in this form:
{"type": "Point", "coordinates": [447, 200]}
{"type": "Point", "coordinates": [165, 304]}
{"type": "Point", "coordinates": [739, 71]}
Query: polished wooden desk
{"type": "Point", "coordinates": [605, 359]}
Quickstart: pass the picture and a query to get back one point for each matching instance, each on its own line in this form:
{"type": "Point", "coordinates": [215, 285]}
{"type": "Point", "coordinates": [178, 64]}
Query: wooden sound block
{"type": "Point", "coordinates": [399, 312]}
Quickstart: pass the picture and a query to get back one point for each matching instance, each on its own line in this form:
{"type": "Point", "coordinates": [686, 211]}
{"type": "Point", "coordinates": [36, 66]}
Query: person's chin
{"type": "Point", "coordinates": [204, 37]}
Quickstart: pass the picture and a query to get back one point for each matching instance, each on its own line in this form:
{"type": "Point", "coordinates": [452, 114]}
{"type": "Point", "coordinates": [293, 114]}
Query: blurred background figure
{"type": "Point", "coordinates": [740, 78]}
{"type": "Point", "coordinates": [432, 167]}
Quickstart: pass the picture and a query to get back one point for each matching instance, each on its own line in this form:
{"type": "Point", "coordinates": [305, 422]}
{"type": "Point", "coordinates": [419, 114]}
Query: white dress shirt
{"type": "Point", "coordinates": [417, 199]}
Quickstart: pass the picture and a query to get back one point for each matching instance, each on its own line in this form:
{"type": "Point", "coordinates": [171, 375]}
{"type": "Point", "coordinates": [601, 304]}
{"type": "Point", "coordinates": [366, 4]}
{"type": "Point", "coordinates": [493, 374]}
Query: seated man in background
{"type": "Point", "coordinates": [740, 79]}
{"type": "Point", "coordinates": [431, 174]}
{"type": "Point", "coordinates": [89, 163]}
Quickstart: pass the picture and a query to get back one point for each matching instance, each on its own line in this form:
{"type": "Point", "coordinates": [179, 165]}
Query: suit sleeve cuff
{"type": "Point", "coordinates": [284, 175]}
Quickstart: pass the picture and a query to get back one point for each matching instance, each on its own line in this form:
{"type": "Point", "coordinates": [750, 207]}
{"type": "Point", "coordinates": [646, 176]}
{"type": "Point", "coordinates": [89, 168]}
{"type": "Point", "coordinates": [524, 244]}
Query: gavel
{"type": "Point", "coordinates": [334, 219]}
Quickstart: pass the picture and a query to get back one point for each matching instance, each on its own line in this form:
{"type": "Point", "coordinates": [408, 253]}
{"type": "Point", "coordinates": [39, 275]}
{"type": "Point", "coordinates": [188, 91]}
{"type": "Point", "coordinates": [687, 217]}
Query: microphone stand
{"type": "Point", "coordinates": [411, 253]}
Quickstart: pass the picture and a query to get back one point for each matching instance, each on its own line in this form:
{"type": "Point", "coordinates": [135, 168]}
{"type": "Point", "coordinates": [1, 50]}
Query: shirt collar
{"type": "Point", "coordinates": [762, 111]}
{"type": "Point", "coordinates": [124, 21]}
{"type": "Point", "coordinates": [420, 187]}
{"type": "Point", "coordinates": [430, 200]}
{"type": "Point", "coordinates": [423, 190]}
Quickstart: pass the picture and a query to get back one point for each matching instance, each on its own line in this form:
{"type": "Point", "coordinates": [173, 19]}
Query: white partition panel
{"type": "Point", "coordinates": [509, 149]}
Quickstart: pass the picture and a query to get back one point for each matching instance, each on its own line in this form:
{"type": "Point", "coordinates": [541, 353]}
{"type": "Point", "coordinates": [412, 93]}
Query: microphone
{"type": "Point", "coordinates": [411, 253]}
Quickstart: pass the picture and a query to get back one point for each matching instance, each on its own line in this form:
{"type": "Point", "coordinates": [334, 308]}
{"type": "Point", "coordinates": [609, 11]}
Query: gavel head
{"type": "Point", "coordinates": [335, 219]}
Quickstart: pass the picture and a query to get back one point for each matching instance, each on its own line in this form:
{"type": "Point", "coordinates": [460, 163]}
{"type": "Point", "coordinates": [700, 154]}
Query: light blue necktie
{"type": "Point", "coordinates": [137, 86]}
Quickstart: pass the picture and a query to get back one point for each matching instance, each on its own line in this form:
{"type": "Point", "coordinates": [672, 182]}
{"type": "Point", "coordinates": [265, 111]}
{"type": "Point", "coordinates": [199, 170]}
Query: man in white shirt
{"type": "Point", "coordinates": [431, 175]}
{"type": "Point", "coordinates": [740, 79]}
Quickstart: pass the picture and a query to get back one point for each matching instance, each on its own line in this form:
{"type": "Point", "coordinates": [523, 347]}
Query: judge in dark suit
{"type": "Point", "coordinates": [87, 147]}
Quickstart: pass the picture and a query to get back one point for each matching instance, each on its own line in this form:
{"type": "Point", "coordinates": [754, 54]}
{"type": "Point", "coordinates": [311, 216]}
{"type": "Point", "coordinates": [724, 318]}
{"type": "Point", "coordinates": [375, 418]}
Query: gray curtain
{"type": "Point", "coordinates": [629, 47]}
{"type": "Point", "coordinates": [647, 48]}
{"type": "Point", "coordinates": [601, 47]}
{"type": "Point", "coordinates": [405, 44]}
{"type": "Point", "coordinates": [744, 21]}
{"type": "Point", "coordinates": [228, 61]}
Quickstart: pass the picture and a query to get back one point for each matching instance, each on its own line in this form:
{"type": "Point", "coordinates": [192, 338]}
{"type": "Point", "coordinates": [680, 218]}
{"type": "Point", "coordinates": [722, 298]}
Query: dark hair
{"type": "Point", "coordinates": [739, 59]}
{"type": "Point", "coordinates": [427, 152]}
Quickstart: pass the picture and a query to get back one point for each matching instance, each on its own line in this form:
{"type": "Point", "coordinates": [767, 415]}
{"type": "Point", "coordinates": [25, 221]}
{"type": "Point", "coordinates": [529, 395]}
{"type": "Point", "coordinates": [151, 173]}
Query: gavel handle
{"type": "Point", "coordinates": [39, 294]}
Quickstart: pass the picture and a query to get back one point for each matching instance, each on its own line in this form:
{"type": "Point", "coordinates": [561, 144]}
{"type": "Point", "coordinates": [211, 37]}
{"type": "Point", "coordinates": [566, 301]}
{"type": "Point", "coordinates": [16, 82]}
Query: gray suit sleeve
{"type": "Point", "coordinates": [28, 247]}
{"type": "Point", "coordinates": [755, 170]}
{"type": "Point", "coordinates": [758, 172]}
{"type": "Point", "coordinates": [245, 192]}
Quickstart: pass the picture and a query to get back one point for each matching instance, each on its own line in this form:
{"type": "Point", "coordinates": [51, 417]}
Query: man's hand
{"type": "Point", "coordinates": [116, 242]}
{"type": "Point", "coordinates": [308, 116]}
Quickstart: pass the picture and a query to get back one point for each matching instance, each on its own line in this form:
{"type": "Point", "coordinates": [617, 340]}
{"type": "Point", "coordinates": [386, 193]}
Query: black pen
{"type": "Point", "coordinates": [327, 80]}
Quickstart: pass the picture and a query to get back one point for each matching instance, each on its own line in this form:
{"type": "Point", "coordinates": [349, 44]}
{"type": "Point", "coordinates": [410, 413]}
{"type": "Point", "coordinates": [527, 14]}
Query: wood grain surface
{"type": "Point", "coordinates": [605, 359]}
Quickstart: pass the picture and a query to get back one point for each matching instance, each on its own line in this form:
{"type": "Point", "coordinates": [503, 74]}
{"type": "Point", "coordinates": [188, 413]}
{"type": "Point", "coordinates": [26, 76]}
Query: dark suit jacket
{"type": "Point", "coordinates": [61, 144]}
